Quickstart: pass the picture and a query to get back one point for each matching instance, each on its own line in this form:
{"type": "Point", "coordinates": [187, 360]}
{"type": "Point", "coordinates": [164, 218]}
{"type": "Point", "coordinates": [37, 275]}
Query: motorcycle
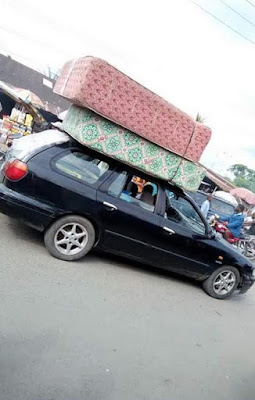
{"type": "Point", "coordinates": [221, 228]}
{"type": "Point", "coordinates": [245, 243]}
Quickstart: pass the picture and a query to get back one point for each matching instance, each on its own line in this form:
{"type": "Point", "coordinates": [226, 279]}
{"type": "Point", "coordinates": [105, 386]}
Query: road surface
{"type": "Point", "coordinates": [108, 329]}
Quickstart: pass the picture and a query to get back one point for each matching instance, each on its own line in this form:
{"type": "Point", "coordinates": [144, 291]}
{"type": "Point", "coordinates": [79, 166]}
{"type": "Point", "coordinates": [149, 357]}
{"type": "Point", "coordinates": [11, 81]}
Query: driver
{"type": "Point", "coordinates": [234, 223]}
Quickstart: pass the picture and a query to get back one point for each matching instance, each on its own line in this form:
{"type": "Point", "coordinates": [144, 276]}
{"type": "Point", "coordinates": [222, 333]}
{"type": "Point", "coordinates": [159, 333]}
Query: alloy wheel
{"type": "Point", "coordinates": [71, 238]}
{"type": "Point", "coordinates": [224, 282]}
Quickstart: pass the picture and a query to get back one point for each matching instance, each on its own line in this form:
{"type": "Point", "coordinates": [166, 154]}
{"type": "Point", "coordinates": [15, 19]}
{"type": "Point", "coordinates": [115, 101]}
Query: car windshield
{"type": "Point", "coordinates": [222, 207]}
{"type": "Point", "coordinates": [180, 210]}
{"type": "Point", "coordinates": [217, 205]}
{"type": "Point", "coordinates": [198, 197]}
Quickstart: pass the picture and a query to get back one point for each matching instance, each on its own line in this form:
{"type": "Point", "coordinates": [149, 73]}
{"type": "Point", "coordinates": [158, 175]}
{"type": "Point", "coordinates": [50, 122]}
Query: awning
{"type": "Point", "coordinates": [244, 194]}
{"type": "Point", "coordinates": [219, 181]}
{"type": "Point", "coordinates": [25, 103]}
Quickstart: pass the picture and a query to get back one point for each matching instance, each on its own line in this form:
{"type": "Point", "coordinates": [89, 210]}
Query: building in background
{"type": "Point", "coordinates": [213, 181]}
{"type": "Point", "coordinates": [18, 75]}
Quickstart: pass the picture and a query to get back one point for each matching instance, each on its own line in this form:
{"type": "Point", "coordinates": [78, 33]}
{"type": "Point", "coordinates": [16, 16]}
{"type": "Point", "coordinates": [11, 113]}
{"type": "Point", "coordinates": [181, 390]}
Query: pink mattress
{"type": "Point", "coordinates": [95, 84]}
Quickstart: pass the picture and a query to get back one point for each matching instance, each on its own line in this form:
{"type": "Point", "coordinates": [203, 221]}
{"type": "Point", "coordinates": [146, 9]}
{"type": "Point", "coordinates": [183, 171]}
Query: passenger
{"type": "Point", "coordinates": [155, 188]}
{"type": "Point", "coordinates": [139, 182]}
{"type": "Point", "coordinates": [130, 192]}
{"type": "Point", "coordinates": [147, 197]}
{"type": "Point", "coordinates": [132, 189]}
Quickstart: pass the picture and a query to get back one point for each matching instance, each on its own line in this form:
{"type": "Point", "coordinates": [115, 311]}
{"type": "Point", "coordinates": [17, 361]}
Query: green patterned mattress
{"type": "Point", "coordinates": [96, 132]}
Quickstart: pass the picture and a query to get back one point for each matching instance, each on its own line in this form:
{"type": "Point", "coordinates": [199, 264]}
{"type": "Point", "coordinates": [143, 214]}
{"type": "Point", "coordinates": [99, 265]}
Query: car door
{"type": "Point", "coordinates": [186, 247]}
{"type": "Point", "coordinates": [130, 226]}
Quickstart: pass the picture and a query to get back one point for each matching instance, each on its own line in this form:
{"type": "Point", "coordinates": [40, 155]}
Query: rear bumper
{"type": "Point", "coordinates": [246, 284]}
{"type": "Point", "coordinates": [32, 212]}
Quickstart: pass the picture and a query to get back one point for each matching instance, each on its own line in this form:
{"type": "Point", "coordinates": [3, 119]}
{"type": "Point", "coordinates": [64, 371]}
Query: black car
{"type": "Point", "coordinates": [81, 200]}
{"type": "Point", "coordinates": [217, 206]}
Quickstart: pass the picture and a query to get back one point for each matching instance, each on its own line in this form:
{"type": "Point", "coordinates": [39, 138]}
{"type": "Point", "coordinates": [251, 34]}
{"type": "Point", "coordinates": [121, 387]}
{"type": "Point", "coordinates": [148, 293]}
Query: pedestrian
{"type": "Point", "coordinates": [205, 207]}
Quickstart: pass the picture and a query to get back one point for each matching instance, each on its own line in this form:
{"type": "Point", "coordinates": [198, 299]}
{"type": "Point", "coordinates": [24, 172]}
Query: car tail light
{"type": "Point", "coordinates": [15, 170]}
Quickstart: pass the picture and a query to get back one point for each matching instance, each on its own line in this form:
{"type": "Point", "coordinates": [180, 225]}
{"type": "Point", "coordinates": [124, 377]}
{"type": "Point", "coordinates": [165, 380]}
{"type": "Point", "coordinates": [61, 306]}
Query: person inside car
{"type": "Point", "coordinates": [132, 189]}
{"type": "Point", "coordinates": [234, 223]}
{"type": "Point", "coordinates": [130, 192]}
{"type": "Point", "coordinates": [147, 197]}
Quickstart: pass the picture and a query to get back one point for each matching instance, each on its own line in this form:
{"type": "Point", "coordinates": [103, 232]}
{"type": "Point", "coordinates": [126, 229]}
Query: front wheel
{"type": "Point", "coordinates": [222, 283]}
{"type": "Point", "coordinates": [70, 238]}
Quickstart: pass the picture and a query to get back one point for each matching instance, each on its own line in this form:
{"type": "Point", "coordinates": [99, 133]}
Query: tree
{"type": "Point", "coordinates": [199, 118]}
{"type": "Point", "coordinates": [244, 176]}
{"type": "Point", "coordinates": [240, 170]}
{"type": "Point", "coordinates": [52, 73]}
{"type": "Point", "coordinates": [228, 179]}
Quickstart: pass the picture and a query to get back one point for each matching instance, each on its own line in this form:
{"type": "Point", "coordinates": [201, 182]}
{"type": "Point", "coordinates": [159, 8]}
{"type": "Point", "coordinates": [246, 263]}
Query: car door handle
{"type": "Point", "coordinates": [110, 205]}
{"type": "Point", "coordinates": [170, 231]}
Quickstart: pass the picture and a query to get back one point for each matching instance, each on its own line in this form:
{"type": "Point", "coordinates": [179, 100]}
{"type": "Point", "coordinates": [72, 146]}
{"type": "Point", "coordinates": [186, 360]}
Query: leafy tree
{"type": "Point", "coordinates": [228, 179]}
{"type": "Point", "coordinates": [199, 118]}
{"type": "Point", "coordinates": [52, 73]}
{"type": "Point", "coordinates": [244, 176]}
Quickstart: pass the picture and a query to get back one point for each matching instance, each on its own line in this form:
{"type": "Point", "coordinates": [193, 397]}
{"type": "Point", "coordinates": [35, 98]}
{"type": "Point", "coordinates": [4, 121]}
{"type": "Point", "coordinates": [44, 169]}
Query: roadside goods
{"type": "Point", "coordinates": [22, 117]}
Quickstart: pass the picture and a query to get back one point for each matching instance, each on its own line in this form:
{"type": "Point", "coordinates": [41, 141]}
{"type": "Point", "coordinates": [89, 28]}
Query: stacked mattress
{"type": "Point", "coordinates": [117, 116]}
{"type": "Point", "coordinates": [93, 83]}
{"type": "Point", "coordinates": [106, 137]}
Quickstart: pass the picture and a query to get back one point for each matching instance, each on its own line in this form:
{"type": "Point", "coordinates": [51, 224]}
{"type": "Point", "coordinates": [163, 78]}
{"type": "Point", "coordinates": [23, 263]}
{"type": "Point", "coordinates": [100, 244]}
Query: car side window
{"type": "Point", "coordinates": [82, 166]}
{"type": "Point", "coordinates": [134, 190]}
{"type": "Point", "coordinates": [181, 211]}
{"type": "Point", "coordinates": [117, 185]}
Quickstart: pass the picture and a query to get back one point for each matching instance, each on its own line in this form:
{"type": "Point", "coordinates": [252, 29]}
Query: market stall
{"type": "Point", "coordinates": [19, 115]}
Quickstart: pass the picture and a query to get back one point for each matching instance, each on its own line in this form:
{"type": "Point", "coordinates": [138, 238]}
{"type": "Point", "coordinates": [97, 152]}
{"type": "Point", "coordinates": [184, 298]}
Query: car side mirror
{"type": "Point", "coordinates": [211, 234]}
{"type": "Point", "coordinates": [2, 155]}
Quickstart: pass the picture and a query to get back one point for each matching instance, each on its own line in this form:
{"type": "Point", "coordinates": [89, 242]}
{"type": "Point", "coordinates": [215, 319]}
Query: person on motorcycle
{"type": "Point", "coordinates": [234, 223]}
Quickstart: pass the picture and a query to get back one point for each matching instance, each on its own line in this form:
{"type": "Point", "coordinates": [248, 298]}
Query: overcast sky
{"type": "Point", "coordinates": [173, 47]}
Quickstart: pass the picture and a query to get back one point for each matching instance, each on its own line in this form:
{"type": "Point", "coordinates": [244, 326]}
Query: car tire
{"type": "Point", "coordinates": [70, 238]}
{"type": "Point", "coordinates": [222, 283]}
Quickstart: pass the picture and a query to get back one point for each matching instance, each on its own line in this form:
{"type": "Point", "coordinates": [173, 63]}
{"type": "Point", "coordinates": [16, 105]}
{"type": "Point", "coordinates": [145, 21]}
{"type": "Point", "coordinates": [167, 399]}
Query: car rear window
{"type": "Point", "coordinates": [25, 147]}
{"type": "Point", "coordinates": [82, 166]}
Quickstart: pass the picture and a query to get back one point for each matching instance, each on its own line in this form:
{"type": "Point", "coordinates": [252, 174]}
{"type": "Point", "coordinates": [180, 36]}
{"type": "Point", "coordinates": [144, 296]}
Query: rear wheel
{"type": "Point", "coordinates": [222, 283]}
{"type": "Point", "coordinates": [70, 238]}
